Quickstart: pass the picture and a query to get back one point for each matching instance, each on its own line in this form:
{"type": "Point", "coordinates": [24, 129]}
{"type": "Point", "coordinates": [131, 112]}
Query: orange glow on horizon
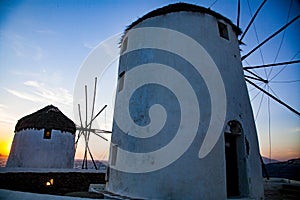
{"type": "Point", "coordinates": [283, 154]}
{"type": "Point", "coordinates": [5, 147]}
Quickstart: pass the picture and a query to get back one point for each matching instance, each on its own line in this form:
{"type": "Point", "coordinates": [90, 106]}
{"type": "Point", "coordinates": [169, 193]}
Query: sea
{"type": "Point", "coordinates": [3, 160]}
{"type": "Point", "coordinates": [100, 164]}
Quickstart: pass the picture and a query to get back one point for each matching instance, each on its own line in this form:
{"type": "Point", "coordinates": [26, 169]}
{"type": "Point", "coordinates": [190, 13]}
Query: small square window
{"type": "Point", "coordinates": [223, 31]}
{"type": "Point", "coordinates": [47, 134]}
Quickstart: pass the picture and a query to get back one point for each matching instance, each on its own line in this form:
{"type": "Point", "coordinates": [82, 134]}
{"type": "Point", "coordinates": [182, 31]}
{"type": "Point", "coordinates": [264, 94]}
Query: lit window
{"type": "Point", "coordinates": [47, 134]}
{"type": "Point", "coordinates": [50, 182]}
{"type": "Point", "coordinates": [223, 31]}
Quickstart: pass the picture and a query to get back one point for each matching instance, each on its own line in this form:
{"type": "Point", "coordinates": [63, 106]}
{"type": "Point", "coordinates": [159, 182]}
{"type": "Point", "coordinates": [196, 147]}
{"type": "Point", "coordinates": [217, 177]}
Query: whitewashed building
{"type": "Point", "coordinates": [183, 123]}
{"type": "Point", "coordinates": [44, 139]}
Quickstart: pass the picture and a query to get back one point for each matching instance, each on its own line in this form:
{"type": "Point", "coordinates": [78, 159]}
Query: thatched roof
{"type": "Point", "coordinates": [177, 7]}
{"type": "Point", "coordinates": [49, 117]}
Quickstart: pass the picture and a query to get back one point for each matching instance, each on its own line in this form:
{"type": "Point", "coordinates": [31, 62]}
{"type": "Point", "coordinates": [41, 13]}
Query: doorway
{"type": "Point", "coordinates": [236, 160]}
{"type": "Point", "coordinates": [232, 172]}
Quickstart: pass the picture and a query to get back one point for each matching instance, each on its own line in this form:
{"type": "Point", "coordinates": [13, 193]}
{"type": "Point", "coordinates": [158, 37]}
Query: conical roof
{"type": "Point", "coordinates": [178, 7]}
{"type": "Point", "coordinates": [49, 117]}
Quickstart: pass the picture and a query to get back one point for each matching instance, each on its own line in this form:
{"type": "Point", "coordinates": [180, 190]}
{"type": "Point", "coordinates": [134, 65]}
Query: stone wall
{"type": "Point", "coordinates": [63, 182]}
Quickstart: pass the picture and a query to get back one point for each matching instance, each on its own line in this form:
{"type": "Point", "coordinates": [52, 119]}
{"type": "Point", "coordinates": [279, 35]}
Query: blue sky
{"type": "Point", "coordinates": [44, 43]}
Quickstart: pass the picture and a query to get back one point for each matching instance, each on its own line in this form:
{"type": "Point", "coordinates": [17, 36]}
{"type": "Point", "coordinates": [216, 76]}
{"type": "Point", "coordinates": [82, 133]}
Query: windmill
{"type": "Point", "coordinates": [85, 128]}
{"type": "Point", "coordinates": [272, 79]}
{"type": "Point", "coordinates": [126, 160]}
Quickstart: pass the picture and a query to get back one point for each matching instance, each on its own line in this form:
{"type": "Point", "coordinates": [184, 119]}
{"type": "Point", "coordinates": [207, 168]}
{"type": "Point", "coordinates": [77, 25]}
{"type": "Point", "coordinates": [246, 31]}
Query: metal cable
{"type": "Point", "coordinates": [282, 38]}
{"type": "Point", "coordinates": [213, 4]}
{"type": "Point", "coordinates": [284, 66]}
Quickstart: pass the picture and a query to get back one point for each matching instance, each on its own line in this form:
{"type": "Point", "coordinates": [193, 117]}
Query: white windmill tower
{"type": "Point", "coordinates": [43, 139]}
{"type": "Point", "coordinates": [183, 123]}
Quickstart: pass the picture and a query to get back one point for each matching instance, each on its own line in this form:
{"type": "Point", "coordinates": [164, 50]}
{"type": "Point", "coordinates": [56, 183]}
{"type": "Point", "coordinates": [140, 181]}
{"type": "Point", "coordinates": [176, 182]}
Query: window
{"type": "Point", "coordinates": [121, 81]}
{"type": "Point", "coordinates": [47, 134]}
{"type": "Point", "coordinates": [114, 152]}
{"type": "Point", "coordinates": [50, 182]}
{"type": "Point", "coordinates": [223, 31]}
{"type": "Point", "coordinates": [124, 45]}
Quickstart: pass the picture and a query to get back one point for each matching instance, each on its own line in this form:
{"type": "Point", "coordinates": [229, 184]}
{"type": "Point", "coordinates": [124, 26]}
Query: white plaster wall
{"type": "Point", "coordinates": [191, 177]}
{"type": "Point", "coordinates": [30, 150]}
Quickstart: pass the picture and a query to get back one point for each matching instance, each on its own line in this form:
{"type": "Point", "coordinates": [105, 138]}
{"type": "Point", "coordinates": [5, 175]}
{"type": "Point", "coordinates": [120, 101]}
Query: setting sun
{"type": "Point", "coordinates": [8, 148]}
{"type": "Point", "coordinates": [5, 147]}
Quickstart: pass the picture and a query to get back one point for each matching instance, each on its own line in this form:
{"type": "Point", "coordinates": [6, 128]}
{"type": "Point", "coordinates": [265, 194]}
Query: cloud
{"type": "Point", "coordinates": [296, 130]}
{"type": "Point", "coordinates": [40, 93]}
{"type": "Point", "coordinates": [40, 74]}
{"type": "Point", "coordinates": [25, 73]}
{"type": "Point", "coordinates": [38, 53]}
{"type": "Point", "coordinates": [24, 95]}
{"type": "Point", "coordinates": [22, 46]}
{"type": "Point", "coordinates": [2, 106]}
{"type": "Point", "coordinates": [32, 83]}
{"type": "Point", "coordinates": [7, 120]}
{"type": "Point", "coordinates": [46, 31]}
{"type": "Point", "coordinates": [5, 117]}
{"type": "Point", "coordinates": [89, 45]}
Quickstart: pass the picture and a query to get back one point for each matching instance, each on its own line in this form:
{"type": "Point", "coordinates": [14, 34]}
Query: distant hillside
{"type": "Point", "coordinates": [100, 164]}
{"type": "Point", "coordinates": [267, 160]}
{"type": "Point", "coordinates": [289, 169]}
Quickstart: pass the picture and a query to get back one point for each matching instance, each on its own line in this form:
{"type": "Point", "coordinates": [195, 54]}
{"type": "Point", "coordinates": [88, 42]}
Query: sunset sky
{"type": "Point", "coordinates": [43, 45]}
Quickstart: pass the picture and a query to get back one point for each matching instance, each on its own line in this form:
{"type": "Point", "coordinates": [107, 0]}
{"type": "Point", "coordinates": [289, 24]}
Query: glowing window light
{"type": "Point", "coordinates": [47, 134]}
{"type": "Point", "coordinates": [50, 182]}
